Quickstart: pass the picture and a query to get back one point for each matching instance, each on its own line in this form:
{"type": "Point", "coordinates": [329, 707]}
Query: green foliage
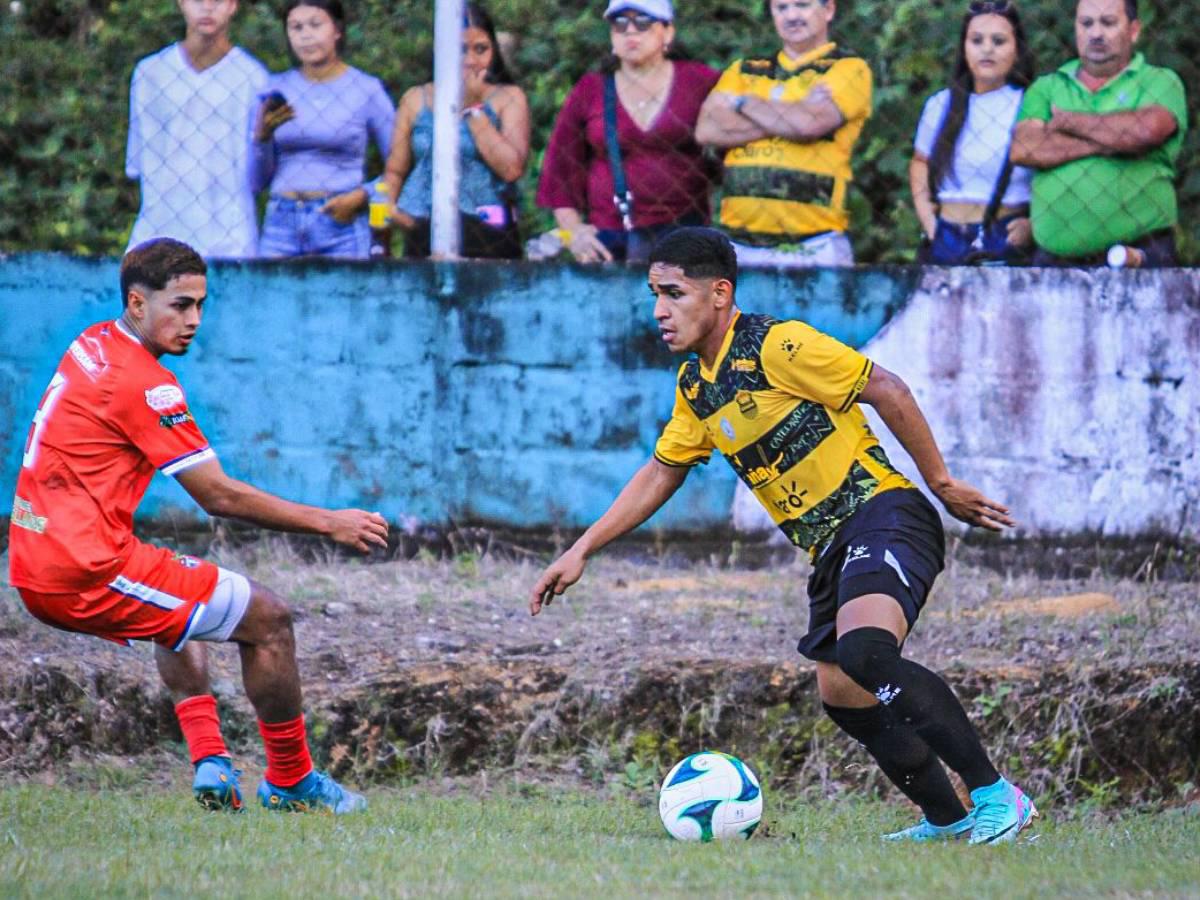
{"type": "Point", "coordinates": [65, 67]}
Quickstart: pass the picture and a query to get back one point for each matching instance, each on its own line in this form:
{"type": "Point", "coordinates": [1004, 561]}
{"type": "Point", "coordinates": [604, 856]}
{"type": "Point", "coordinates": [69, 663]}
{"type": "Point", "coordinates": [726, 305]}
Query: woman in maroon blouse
{"type": "Point", "coordinates": [658, 101]}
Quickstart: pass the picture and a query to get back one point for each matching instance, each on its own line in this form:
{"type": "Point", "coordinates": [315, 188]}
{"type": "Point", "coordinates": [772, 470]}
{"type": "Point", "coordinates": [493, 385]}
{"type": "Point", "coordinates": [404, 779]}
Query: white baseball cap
{"type": "Point", "coordinates": [658, 9]}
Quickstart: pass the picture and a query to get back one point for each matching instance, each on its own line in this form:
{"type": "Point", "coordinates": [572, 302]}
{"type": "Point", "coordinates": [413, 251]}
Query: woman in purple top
{"type": "Point", "coordinates": [658, 101]}
{"type": "Point", "coordinates": [311, 140]}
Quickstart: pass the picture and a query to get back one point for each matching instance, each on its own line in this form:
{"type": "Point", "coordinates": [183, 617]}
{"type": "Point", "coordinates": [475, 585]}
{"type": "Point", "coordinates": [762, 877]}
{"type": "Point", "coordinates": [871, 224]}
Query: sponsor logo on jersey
{"type": "Point", "coordinates": [791, 348]}
{"type": "Point", "coordinates": [24, 517]}
{"type": "Point", "coordinates": [188, 562]}
{"type": "Point", "coordinates": [175, 419]}
{"type": "Point", "coordinates": [749, 366]}
{"type": "Point", "coordinates": [91, 366]}
{"type": "Point", "coordinates": [164, 397]}
{"type": "Point", "coordinates": [760, 475]}
{"type": "Point", "coordinates": [727, 429]}
{"type": "Point", "coordinates": [746, 404]}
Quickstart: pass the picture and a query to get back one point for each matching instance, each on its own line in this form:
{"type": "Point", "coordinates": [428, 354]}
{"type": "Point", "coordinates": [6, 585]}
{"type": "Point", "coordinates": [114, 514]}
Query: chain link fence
{"type": "Point", "coordinates": [881, 137]}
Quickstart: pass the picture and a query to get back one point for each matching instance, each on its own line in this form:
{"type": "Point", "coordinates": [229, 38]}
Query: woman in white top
{"type": "Point", "coordinates": [961, 149]}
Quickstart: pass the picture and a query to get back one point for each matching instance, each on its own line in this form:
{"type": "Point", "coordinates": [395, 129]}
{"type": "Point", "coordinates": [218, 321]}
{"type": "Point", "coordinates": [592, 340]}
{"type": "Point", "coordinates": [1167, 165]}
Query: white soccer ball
{"type": "Point", "coordinates": [710, 796]}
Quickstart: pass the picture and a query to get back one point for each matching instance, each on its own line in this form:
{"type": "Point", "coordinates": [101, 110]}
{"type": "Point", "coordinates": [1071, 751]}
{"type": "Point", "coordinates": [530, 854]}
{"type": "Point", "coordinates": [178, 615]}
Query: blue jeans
{"type": "Point", "coordinates": [299, 228]}
{"type": "Point", "coordinates": [953, 245]}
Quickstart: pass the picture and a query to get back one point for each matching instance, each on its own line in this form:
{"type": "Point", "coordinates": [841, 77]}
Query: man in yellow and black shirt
{"type": "Point", "coordinates": [779, 400]}
{"type": "Point", "coordinates": [788, 124]}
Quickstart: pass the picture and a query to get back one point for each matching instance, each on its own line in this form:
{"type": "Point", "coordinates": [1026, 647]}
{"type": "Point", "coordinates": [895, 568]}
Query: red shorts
{"type": "Point", "coordinates": [159, 596]}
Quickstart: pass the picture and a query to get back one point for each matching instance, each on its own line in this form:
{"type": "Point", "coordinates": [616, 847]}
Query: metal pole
{"type": "Point", "coordinates": [445, 238]}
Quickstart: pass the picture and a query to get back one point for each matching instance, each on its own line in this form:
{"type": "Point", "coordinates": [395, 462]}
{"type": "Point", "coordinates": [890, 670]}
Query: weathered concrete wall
{"type": "Point", "coordinates": [528, 394]}
{"type": "Point", "coordinates": [520, 394]}
{"type": "Point", "coordinates": [1073, 397]}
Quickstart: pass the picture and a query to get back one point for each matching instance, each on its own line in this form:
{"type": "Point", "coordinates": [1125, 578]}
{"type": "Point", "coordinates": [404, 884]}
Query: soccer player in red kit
{"type": "Point", "coordinates": [111, 416]}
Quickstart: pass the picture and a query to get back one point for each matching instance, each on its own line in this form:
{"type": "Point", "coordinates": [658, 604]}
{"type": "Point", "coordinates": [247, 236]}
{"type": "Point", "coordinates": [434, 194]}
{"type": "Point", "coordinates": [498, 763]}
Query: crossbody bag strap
{"type": "Point", "coordinates": [998, 192]}
{"type": "Point", "coordinates": [621, 195]}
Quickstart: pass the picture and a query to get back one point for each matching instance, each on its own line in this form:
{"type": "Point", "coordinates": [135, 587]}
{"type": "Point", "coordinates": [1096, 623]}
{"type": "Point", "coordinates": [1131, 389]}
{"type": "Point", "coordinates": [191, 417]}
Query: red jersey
{"type": "Point", "coordinates": [111, 416]}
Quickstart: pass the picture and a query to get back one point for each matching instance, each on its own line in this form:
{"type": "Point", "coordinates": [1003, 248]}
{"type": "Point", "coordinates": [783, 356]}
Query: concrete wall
{"type": "Point", "coordinates": [512, 393]}
{"type": "Point", "coordinates": [1071, 396]}
{"type": "Point", "coordinates": [527, 394]}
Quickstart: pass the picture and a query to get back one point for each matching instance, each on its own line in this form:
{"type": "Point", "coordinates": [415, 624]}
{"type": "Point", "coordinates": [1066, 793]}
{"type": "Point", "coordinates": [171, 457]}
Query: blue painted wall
{"type": "Point", "coordinates": [522, 394]}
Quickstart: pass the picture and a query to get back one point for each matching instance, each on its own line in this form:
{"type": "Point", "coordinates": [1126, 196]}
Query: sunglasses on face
{"type": "Point", "coordinates": [622, 23]}
{"type": "Point", "coordinates": [988, 7]}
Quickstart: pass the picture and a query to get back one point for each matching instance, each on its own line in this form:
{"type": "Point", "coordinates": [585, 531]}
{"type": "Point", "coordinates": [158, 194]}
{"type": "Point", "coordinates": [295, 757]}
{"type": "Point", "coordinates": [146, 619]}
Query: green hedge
{"type": "Point", "coordinates": [65, 67]}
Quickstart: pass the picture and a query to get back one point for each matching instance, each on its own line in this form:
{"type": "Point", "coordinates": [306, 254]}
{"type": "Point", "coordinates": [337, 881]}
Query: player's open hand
{"type": "Point", "coordinates": [358, 528]}
{"type": "Point", "coordinates": [559, 575]}
{"type": "Point", "coordinates": [969, 505]}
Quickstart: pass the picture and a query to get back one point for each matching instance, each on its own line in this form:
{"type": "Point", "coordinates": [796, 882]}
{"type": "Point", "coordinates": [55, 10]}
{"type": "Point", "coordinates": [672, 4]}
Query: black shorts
{"type": "Point", "coordinates": [893, 545]}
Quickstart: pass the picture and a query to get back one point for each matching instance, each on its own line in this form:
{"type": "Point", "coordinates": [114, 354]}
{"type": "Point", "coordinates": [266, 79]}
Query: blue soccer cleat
{"type": "Point", "coordinates": [924, 832]}
{"type": "Point", "coordinates": [316, 792]}
{"type": "Point", "coordinates": [216, 784]}
{"type": "Point", "coordinates": [1001, 811]}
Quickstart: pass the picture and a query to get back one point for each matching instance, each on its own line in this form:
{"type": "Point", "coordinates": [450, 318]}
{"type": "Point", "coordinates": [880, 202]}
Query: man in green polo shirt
{"type": "Point", "coordinates": [1104, 132]}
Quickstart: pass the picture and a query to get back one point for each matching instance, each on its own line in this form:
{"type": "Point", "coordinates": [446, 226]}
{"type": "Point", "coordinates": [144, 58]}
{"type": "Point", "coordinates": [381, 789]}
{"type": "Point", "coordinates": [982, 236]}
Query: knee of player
{"type": "Point", "coordinates": [274, 612]}
{"type": "Point", "coordinates": [863, 654]}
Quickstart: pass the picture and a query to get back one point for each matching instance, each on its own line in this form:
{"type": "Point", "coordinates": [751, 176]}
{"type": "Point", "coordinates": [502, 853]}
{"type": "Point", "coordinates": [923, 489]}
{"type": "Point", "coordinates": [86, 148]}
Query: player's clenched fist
{"type": "Point", "coordinates": [358, 528]}
{"type": "Point", "coordinates": [558, 576]}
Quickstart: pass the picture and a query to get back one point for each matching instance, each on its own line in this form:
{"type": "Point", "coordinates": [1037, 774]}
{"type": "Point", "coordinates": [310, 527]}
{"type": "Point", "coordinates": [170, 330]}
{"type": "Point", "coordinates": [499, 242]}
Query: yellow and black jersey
{"type": "Point", "coordinates": [777, 190]}
{"type": "Point", "coordinates": [780, 405]}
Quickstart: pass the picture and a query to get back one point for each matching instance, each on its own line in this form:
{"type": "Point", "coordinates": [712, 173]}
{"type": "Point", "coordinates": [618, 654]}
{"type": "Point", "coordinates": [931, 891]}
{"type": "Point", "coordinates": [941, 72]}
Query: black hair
{"type": "Point", "coordinates": [153, 263]}
{"type": "Point", "coordinates": [336, 12]}
{"type": "Point", "coordinates": [941, 159]}
{"type": "Point", "coordinates": [699, 252]}
{"type": "Point", "coordinates": [475, 16]}
{"type": "Point", "coordinates": [1131, 10]}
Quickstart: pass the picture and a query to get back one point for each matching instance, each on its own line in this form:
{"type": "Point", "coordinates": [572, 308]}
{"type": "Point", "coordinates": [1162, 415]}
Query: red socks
{"type": "Point", "coordinates": [287, 751]}
{"type": "Point", "coordinates": [201, 727]}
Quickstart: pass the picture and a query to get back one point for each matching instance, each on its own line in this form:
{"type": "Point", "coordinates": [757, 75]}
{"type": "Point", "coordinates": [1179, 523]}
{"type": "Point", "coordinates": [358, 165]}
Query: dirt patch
{"type": "Point", "coordinates": [434, 666]}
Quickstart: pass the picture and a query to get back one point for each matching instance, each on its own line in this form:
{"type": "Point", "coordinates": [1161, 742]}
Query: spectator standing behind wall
{"type": "Point", "coordinates": [493, 151]}
{"type": "Point", "coordinates": [658, 100]}
{"type": "Point", "coordinates": [973, 204]}
{"type": "Point", "coordinates": [311, 140]}
{"type": "Point", "coordinates": [789, 124]}
{"type": "Point", "coordinates": [1104, 131]}
{"type": "Point", "coordinates": [191, 109]}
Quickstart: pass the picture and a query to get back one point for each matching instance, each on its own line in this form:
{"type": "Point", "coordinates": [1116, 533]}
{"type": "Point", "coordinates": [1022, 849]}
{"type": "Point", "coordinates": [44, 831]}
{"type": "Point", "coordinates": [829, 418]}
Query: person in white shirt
{"type": "Point", "coordinates": [972, 204]}
{"type": "Point", "coordinates": [191, 116]}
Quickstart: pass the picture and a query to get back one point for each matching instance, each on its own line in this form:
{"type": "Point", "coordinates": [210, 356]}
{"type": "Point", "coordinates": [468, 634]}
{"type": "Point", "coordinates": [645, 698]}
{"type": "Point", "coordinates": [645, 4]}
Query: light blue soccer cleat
{"type": "Point", "coordinates": [924, 832]}
{"type": "Point", "coordinates": [316, 792]}
{"type": "Point", "coordinates": [216, 784]}
{"type": "Point", "coordinates": [1001, 811]}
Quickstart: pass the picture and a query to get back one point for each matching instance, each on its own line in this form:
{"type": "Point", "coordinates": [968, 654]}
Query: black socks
{"type": "Point", "coordinates": [918, 698]}
{"type": "Point", "coordinates": [904, 758]}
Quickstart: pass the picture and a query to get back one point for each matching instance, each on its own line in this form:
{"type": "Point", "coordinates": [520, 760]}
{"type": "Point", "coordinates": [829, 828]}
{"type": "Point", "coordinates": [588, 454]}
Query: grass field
{"type": "Point", "coordinates": [522, 841]}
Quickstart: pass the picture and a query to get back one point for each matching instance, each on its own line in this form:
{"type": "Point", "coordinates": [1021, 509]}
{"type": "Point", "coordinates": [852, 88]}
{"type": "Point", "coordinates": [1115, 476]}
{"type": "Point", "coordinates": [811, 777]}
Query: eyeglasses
{"type": "Point", "coordinates": [989, 7]}
{"type": "Point", "coordinates": [640, 23]}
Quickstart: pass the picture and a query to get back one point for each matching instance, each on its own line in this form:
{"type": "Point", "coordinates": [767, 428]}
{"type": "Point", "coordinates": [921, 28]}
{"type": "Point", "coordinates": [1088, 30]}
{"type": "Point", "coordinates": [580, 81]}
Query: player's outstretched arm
{"type": "Point", "coordinates": [646, 492]}
{"type": "Point", "coordinates": [220, 495]}
{"type": "Point", "coordinates": [896, 405]}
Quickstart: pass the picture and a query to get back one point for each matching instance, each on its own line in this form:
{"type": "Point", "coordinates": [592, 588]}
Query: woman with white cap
{"type": "Point", "coordinates": [616, 205]}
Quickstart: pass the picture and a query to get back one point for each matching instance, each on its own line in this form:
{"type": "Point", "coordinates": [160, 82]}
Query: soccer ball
{"type": "Point", "coordinates": [710, 795]}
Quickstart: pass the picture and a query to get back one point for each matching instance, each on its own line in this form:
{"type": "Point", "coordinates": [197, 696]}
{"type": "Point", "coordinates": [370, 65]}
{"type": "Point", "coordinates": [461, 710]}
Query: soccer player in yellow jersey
{"type": "Point", "coordinates": [779, 400]}
{"type": "Point", "coordinates": [788, 125]}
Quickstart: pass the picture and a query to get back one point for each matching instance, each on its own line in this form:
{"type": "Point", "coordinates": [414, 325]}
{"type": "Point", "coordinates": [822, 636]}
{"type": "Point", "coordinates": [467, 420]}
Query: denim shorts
{"type": "Point", "coordinates": [299, 228]}
{"type": "Point", "coordinates": [954, 245]}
